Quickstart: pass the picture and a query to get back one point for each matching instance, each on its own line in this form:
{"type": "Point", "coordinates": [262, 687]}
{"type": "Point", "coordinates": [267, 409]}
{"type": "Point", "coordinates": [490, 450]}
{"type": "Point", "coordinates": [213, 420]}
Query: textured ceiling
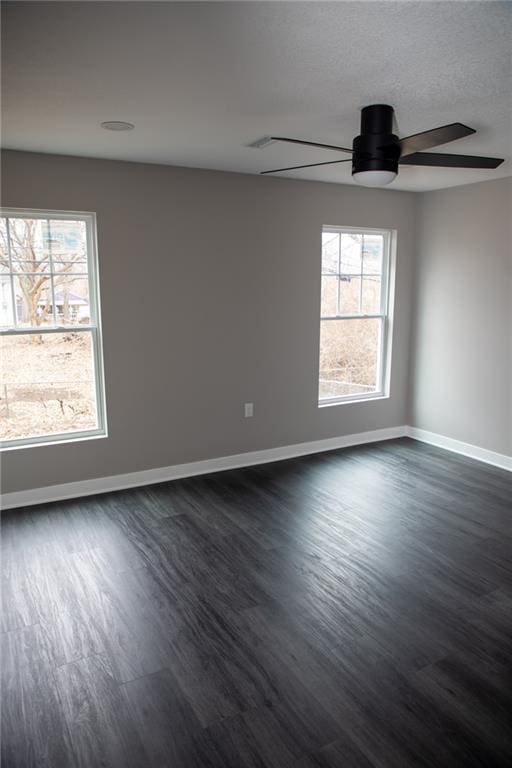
{"type": "Point", "coordinates": [202, 80]}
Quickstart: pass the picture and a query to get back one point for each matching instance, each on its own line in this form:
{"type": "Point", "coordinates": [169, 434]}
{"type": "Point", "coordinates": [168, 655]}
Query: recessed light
{"type": "Point", "coordinates": [117, 125]}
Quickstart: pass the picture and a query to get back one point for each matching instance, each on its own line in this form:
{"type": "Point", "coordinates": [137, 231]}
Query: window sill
{"type": "Point", "coordinates": [16, 445]}
{"type": "Point", "coordinates": [351, 401]}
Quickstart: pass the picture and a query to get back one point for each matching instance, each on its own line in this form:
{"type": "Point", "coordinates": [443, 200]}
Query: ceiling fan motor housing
{"type": "Point", "coordinates": [377, 148]}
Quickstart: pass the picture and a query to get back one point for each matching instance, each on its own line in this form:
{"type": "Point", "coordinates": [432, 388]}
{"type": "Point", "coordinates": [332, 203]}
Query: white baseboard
{"type": "Point", "coordinates": [457, 446]}
{"type": "Point", "coordinates": [162, 474]}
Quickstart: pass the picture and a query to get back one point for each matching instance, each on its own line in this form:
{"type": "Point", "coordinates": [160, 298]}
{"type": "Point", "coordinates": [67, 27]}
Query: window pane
{"type": "Point", "coordinates": [349, 354]}
{"type": "Point", "coordinates": [47, 385]}
{"type": "Point", "coordinates": [69, 267]}
{"type": "Point", "coordinates": [29, 239]}
{"type": "Point", "coordinates": [30, 267]}
{"type": "Point", "coordinates": [371, 294]}
{"type": "Point", "coordinates": [329, 305]}
{"type": "Point", "coordinates": [33, 300]}
{"type": "Point", "coordinates": [350, 254]}
{"type": "Point", "coordinates": [6, 319]}
{"type": "Point", "coordinates": [350, 291]}
{"type": "Point", "coordinates": [330, 252]}
{"type": "Point", "coordinates": [68, 241]}
{"type": "Point", "coordinates": [373, 246]}
{"type": "Point", "coordinates": [72, 299]}
{"type": "Point", "coordinates": [41, 248]}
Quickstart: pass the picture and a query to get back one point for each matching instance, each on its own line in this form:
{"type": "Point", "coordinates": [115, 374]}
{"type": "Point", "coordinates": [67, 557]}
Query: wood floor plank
{"type": "Point", "coordinates": [253, 739]}
{"type": "Point", "coordinates": [100, 725]}
{"type": "Point", "coordinates": [479, 706]}
{"type": "Point", "coordinates": [167, 726]}
{"type": "Point", "coordinates": [339, 754]}
{"type": "Point", "coordinates": [34, 731]}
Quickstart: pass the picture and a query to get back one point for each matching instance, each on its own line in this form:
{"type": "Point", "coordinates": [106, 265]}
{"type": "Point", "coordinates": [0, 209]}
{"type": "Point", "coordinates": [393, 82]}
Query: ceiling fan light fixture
{"type": "Point", "coordinates": [374, 178]}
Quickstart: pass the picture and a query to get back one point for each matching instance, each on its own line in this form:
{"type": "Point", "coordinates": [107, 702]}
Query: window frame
{"type": "Point", "coordinates": [94, 327]}
{"type": "Point", "coordinates": [385, 315]}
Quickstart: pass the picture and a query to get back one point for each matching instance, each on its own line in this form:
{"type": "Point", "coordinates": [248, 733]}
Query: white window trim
{"type": "Point", "coordinates": [386, 315]}
{"type": "Point", "coordinates": [94, 329]}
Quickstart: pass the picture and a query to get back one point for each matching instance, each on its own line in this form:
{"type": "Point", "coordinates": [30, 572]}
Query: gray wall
{"type": "Point", "coordinates": [224, 272]}
{"type": "Point", "coordinates": [461, 372]}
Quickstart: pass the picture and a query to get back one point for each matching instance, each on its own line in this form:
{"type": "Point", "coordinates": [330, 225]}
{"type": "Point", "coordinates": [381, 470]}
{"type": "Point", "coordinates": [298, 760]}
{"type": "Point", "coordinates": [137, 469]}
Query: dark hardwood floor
{"type": "Point", "coordinates": [350, 609]}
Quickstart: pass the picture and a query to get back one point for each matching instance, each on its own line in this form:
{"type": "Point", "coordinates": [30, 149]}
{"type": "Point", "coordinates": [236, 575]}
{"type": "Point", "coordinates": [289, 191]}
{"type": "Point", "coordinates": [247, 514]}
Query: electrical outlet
{"type": "Point", "coordinates": [248, 410]}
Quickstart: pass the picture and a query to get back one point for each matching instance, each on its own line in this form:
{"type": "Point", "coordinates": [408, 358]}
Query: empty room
{"type": "Point", "coordinates": [256, 384]}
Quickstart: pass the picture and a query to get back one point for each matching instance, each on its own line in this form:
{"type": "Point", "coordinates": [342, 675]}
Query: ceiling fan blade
{"type": "Point", "coordinates": [433, 138]}
{"type": "Point", "coordinates": [310, 144]}
{"type": "Point", "coordinates": [309, 165]}
{"type": "Point", "coordinates": [436, 159]}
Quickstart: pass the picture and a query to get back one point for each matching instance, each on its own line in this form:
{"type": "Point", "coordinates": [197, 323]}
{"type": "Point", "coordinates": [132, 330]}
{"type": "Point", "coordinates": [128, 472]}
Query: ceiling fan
{"type": "Point", "coordinates": [377, 152]}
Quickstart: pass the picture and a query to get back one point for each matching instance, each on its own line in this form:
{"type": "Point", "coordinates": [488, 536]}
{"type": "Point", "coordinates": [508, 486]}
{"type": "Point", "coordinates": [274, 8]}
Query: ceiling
{"type": "Point", "coordinates": [202, 80]}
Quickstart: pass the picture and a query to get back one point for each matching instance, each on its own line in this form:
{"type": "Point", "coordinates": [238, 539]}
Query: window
{"type": "Point", "coordinates": [354, 325]}
{"type": "Point", "coordinates": [51, 367]}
